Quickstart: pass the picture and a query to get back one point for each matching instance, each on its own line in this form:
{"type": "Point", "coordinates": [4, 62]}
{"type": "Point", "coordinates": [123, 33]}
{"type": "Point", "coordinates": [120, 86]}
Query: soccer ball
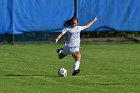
{"type": "Point", "coordinates": [62, 72]}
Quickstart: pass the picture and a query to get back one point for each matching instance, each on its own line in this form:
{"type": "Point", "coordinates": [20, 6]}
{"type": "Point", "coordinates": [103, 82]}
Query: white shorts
{"type": "Point", "coordinates": [69, 50]}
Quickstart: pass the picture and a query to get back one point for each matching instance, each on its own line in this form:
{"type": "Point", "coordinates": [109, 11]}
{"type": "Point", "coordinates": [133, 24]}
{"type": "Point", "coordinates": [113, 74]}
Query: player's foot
{"type": "Point", "coordinates": [75, 72]}
{"type": "Point", "coordinates": [58, 50]}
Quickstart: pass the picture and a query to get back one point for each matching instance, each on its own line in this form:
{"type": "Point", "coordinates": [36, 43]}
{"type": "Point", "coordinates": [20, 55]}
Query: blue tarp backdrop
{"type": "Point", "coordinates": [18, 16]}
{"type": "Point", "coordinates": [41, 15]}
{"type": "Point", "coordinates": [119, 15]}
{"type": "Point", "coordinates": [5, 16]}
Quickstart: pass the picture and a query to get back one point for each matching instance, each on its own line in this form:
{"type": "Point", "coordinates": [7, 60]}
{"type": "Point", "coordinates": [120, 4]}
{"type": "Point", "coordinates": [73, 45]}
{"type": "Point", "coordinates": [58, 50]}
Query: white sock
{"type": "Point", "coordinates": [60, 51]}
{"type": "Point", "coordinates": [76, 65]}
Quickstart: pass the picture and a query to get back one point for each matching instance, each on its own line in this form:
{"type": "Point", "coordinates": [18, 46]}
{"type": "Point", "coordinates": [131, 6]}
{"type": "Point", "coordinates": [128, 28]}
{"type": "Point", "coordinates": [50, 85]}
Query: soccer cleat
{"type": "Point", "coordinates": [75, 72]}
{"type": "Point", "coordinates": [58, 50]}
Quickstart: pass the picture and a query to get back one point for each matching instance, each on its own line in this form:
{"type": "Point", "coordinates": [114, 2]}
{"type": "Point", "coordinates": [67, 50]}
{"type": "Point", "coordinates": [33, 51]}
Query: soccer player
{"type": "Point", "coordinates": [72, 43]}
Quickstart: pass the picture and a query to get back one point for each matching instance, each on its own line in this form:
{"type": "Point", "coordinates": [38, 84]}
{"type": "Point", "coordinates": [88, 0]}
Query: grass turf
{"type": "Point", "coordinates": [105, 68]}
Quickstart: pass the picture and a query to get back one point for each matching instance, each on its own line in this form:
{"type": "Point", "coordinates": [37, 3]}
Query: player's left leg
{"type": "Point", "coordinates": [62, 52]}
{"type": "Point", "coordinates": [77, 57]}
{"type": "Point", "coordinates": [59, 50]}
{"type": "Point", "coordinates": [61, 55]}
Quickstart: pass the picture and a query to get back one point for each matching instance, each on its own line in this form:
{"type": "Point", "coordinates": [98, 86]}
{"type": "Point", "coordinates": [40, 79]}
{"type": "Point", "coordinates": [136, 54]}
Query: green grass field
{"type": "Point", "coordinates": [105, 68]}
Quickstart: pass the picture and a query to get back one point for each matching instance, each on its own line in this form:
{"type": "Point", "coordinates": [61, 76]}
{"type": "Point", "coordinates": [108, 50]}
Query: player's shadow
{"type": "Point", "coordinates": [29, 75]}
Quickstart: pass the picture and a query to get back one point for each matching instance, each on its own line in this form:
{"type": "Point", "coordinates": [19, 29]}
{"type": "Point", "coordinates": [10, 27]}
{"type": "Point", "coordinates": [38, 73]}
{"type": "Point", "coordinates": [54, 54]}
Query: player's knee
{"type": "Point", "coordinates": [78, 56]}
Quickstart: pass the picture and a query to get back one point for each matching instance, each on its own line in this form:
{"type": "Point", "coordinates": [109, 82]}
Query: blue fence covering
{"type": "Point", "coordinates": [119, 15]}
{"type": "Point", "coordinates": [18, 16]}
{"type": "Point", "coordinates": [41, 15]}
{"type": "Point", "coordinates": [5, 16]}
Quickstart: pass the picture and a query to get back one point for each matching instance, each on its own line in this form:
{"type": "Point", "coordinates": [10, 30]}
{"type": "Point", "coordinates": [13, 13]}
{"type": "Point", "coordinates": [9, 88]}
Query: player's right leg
{"type": "Point", "coordinates": [77, 56]}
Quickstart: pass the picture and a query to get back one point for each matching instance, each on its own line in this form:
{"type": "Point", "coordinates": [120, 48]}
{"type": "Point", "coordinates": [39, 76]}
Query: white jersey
{"type": "Point", "coordinates": [73, 36]}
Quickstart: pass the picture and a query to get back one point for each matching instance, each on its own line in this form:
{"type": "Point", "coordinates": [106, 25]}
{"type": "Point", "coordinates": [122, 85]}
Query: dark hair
{"type": "Point", "coordinates": [68, 22]}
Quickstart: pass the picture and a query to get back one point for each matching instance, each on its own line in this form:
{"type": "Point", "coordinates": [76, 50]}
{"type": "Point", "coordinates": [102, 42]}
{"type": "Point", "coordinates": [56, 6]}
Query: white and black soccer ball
{"type": "Point", "coordinates": [62, 72]}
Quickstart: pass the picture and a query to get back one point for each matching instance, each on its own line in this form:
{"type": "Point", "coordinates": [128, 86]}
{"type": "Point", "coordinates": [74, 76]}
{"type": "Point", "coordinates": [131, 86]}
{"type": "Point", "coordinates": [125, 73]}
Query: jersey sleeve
{"type": "Point", "coordinates": [81, 28]}
{"type": "Point", "coordinates": [64, 30]}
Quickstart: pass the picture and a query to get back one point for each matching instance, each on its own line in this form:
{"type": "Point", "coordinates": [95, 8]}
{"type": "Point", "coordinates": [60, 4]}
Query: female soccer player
{"type": "Point", "coordinates": [72, 43]}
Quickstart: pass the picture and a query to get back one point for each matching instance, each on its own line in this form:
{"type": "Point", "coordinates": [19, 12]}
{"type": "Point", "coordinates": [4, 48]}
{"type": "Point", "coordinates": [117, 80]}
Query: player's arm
{"type": "Point", "coordinates": [58, 37]}
{"type": "Point", "coordinates": [61, 34]}
{"type": "Point", "coordinates": [90, 23]}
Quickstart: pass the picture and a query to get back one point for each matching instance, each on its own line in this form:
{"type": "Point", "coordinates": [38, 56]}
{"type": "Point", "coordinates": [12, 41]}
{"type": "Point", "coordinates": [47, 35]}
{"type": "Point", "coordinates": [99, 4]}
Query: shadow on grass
{"type": "Point", "coordinates": [18, 75]}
